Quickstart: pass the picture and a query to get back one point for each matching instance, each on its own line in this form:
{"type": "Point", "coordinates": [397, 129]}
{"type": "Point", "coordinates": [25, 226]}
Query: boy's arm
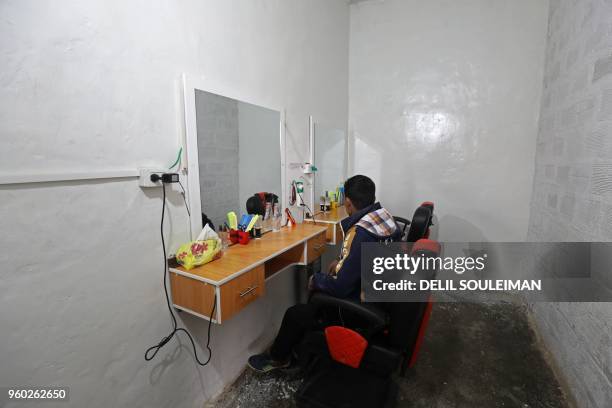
{"type": "Point", "coordinates": [347, 279]}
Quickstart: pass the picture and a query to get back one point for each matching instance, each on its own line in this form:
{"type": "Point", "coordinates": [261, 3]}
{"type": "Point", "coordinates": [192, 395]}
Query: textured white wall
{"type": "Point", "coordinates": [572, 189]}
{"type": "Point", "coordinates": [92, 85]}
{"type": "Point", "coordinates": [444, 102]}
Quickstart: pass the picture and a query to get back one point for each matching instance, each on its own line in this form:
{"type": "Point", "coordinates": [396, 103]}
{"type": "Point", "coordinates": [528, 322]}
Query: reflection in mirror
{"type": "Point", "coordinates": [329, 159]}
{"type": "Point", "coordinates": [239, 153]}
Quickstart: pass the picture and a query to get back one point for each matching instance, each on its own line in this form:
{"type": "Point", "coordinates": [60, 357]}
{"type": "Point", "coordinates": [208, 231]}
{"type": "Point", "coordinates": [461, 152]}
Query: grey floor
{"type": "Point", "coordinates": [474, 355]}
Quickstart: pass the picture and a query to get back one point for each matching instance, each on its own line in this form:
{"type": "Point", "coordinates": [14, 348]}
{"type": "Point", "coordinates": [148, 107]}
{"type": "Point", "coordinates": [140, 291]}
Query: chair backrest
{"type": "Point", "coordinates": [421, 221]}
{"type": "Point", "coordinates": [405, 317]}
{"type": "Point", "coordinates": [408, 320]}
{"type": "Point", "coordinates": [402, 224]}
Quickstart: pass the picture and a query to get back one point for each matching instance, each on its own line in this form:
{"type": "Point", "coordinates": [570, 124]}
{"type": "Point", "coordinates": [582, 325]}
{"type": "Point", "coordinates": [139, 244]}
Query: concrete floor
{"type": "Point", "coordinates": [474, 355]}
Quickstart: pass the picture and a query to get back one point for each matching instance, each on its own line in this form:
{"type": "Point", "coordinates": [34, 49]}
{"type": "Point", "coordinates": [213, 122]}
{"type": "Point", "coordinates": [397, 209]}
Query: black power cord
{"type": "Point", "coordinates": [152, 351]}
{"type": "Point", "coordinates": [185, 199]}
{"type": "Point", "coordinates": [172, 178]}
{"type": "Point", "coordinates": [304, 203]}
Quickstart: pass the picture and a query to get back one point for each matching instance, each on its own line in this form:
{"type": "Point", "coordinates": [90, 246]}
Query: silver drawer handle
{"type": "Point", "coordinates": [249, 290]}
{"type": "Point", "coordinates": [317, 247]}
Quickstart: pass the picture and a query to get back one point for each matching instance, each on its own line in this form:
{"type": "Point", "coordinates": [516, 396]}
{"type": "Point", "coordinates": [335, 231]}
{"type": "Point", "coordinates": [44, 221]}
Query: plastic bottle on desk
{"type": "Point", "coordinates": [276, 218]}
{"type": "Point", "coordinates": [224, 236]}
{"type": "Point", "coordinates": [267, 219]}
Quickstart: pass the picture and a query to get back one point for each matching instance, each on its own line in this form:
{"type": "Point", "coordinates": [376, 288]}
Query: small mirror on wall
{"type": "Point", "coordinates": [234, 150]}
{"type": "Point", "coordinates": [329, 145]}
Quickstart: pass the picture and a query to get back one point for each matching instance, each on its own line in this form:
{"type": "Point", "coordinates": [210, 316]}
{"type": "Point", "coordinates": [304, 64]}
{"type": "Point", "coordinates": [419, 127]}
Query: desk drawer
{"type": "Point", "coordinates": [192, 294]}
{"type": "Point", "coordinates": [315, 247]}
{"type": "Point", "coordinates": [239, 292]}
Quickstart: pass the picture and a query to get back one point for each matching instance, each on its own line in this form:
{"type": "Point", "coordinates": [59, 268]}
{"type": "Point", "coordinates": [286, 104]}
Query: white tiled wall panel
{"type": "Point", "coordinates": [572, 196]}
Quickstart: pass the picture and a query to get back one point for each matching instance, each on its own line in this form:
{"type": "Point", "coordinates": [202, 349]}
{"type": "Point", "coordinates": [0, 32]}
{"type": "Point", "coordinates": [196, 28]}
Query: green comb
{"type": "Point", "coordinates": [232, 220]}
{"type": "Point", "coordinates": [252, 223]}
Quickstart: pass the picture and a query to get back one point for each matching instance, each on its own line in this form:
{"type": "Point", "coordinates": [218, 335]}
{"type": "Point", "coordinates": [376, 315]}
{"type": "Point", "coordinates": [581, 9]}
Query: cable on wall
{"type": "Point", "coordinates": [294, 187]}
{"type": "Point", "coordinates": [178, 160]}
{"type": "Point", "coordinates": [153, 350]}
{"type": "Point", "coordinates": [185, 199]}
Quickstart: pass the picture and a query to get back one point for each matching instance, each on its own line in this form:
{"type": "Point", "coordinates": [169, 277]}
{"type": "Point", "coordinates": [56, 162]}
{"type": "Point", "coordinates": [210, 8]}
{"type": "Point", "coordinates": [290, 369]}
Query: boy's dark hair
{"type": "Point", "coordinates": [361, 190]}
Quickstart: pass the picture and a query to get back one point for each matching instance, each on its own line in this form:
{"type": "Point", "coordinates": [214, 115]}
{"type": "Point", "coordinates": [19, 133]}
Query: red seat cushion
{"type": "Point", "coordinates": [426, 245]}
{"type": "Point", "coordinates": [345, 345]}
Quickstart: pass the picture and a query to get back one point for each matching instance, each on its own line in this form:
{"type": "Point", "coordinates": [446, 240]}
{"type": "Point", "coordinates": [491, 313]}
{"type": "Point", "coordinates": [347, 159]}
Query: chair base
{"type": "Point", "coordinates": [337, 386]}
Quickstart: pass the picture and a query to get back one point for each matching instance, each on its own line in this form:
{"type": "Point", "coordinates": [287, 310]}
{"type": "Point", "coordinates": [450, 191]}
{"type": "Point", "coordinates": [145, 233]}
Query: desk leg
{"type": "Point", "coordinates": [303, 274]}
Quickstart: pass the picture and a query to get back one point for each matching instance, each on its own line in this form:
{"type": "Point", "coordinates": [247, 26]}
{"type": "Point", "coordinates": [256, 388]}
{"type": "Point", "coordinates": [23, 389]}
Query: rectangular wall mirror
{"type": "Point", "coordinates": [234, 150]}
{"type": "Point", "coordinates": [329, 146]}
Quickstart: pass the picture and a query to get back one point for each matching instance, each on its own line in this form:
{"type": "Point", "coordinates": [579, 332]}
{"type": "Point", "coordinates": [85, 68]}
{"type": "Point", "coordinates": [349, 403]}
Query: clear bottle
{"type": "Point", "coordinates": [224, 236]}
{"type": "Point", "coordinates": [276, 218]}
{"type": "Point", "coordinates": [267, 219]}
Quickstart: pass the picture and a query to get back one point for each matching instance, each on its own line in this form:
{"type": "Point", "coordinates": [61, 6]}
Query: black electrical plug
{"type": "Point", "coordinates": [165, 178]}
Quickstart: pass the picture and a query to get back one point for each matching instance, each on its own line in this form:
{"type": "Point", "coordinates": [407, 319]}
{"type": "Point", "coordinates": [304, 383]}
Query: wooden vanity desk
{"type": "Point", "coordinates": [238, 278]}
{"type": "Point", "coordinates": [331, 220]}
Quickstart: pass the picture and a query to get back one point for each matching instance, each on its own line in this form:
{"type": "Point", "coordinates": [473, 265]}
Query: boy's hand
{"type": "Point", "coordinates": [332, 268]}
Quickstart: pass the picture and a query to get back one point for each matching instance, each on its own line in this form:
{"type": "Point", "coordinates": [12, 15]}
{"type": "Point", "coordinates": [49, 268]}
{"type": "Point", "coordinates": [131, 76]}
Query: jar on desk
{"type": "Point", "coordinates": [224, 237]}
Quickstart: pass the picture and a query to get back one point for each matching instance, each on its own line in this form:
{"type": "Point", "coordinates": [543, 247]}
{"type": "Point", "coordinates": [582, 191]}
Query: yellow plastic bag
{"type": "Point", "coordinates": [196, 253]}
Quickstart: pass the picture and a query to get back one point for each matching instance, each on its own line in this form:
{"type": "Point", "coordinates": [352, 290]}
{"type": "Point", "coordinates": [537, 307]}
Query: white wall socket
{"type": "Point", "coordinates": [144, 179]}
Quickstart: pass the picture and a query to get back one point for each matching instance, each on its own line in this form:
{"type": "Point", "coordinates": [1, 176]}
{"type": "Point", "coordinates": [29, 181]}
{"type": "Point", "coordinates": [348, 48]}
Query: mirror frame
{"type": "Point", "coordinates": [190, 143]}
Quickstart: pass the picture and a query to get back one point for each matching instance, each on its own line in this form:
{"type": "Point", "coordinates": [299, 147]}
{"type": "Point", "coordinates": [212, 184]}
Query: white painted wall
{"type": "Point", "coordinates": [444, 102]}
{"type": "Point", "coordinates": [96, 85]}
{"type": "Point", "coordinates": [572, 193]}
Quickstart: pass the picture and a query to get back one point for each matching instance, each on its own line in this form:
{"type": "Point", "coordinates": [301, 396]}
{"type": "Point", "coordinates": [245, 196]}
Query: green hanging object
{"type": "Point", "coordinates": [178, 159]}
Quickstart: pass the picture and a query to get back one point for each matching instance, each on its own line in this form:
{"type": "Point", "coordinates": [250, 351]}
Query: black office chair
{"type": "Point", "coordinates": [402, 224]}
{"type": "Point", "coordinates": [422, 220]}
{"type": "Point", "coordinates": [352, 366]}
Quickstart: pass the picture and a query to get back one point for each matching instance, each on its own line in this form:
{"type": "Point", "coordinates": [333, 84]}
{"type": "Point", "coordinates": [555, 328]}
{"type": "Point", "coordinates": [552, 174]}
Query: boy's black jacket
{"type": "Point", "coordinates": [370, 224]}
